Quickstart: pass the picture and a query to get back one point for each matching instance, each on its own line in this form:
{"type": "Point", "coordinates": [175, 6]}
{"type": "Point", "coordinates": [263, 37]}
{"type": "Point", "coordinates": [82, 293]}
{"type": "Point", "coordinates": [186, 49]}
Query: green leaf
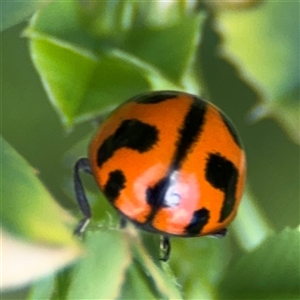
{"type": "Point", "coordinates": [271, 271]}
{"type": "Point", "coordinates": [14, 12]}
{"type": "Point", "coordinates": [42, 289]}
{"type": "Point", "coordinates": [87, 72]}
{"type": "Point", "coordinates": [100, 274]}
{"type": "Point", "coordinates": [34, 234]}
{"type": "Point", "coordinates": [138, 285]}
{"type": "Point", "coordinates": [250, 226]}
{"type": "Point", "coordinates": [146, 256]}
{"type": "Point", "coordinates": [160, 46]}
{"type": "Point", "coordinates": [198, 264]}
{"type": "Point", "coordinates": [264, 42]}
{"type": "Point", "coordinates": [28, 210]}
{"type": "Point", "coordinates": [159, 14]}
{"type": "Point", "coordinates": [92, 88]}
{"type": "Point", "coordinates": [108, 19]}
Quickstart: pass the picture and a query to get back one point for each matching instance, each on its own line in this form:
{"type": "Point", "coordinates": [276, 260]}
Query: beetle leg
{"type": "Point", "coordinates": [220, 234]}
{"type": "Point", "coordinates": [165, 246]}
{"type": "Point", "coordinates": [123, 222]}
{"type": "Point", "coordinates": [83, 164]}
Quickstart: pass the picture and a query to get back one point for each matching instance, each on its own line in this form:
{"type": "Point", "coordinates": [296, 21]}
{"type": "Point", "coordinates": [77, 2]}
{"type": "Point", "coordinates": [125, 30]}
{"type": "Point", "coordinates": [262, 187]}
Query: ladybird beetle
{"type": "Point", "coordinates": [170, 163]}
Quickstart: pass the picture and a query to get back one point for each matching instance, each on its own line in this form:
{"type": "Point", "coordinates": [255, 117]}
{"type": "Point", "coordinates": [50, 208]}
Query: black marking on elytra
{"type": "Point", "coordinates": [231, 130]}
{"type": "Point", "coordinates": [155, 97]}
{"type": "Point", "coordinates": [222, 174]}
{"type": "Point", "coordinates": [188, 134]}
{"type": "Point", "coordinates": [199, 220]}
{"type": "Point", "coordinates": [114, 185]}
{"type": "Point", "coordinates": [155, 195]}
{"type": "Point", "coordinates": [132, 134]}
{"type": "Point", "coordinates": [189, 131]}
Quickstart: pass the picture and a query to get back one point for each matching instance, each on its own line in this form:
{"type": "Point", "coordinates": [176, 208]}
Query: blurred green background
{"type": "Point", "coordinates": [29, 122]}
